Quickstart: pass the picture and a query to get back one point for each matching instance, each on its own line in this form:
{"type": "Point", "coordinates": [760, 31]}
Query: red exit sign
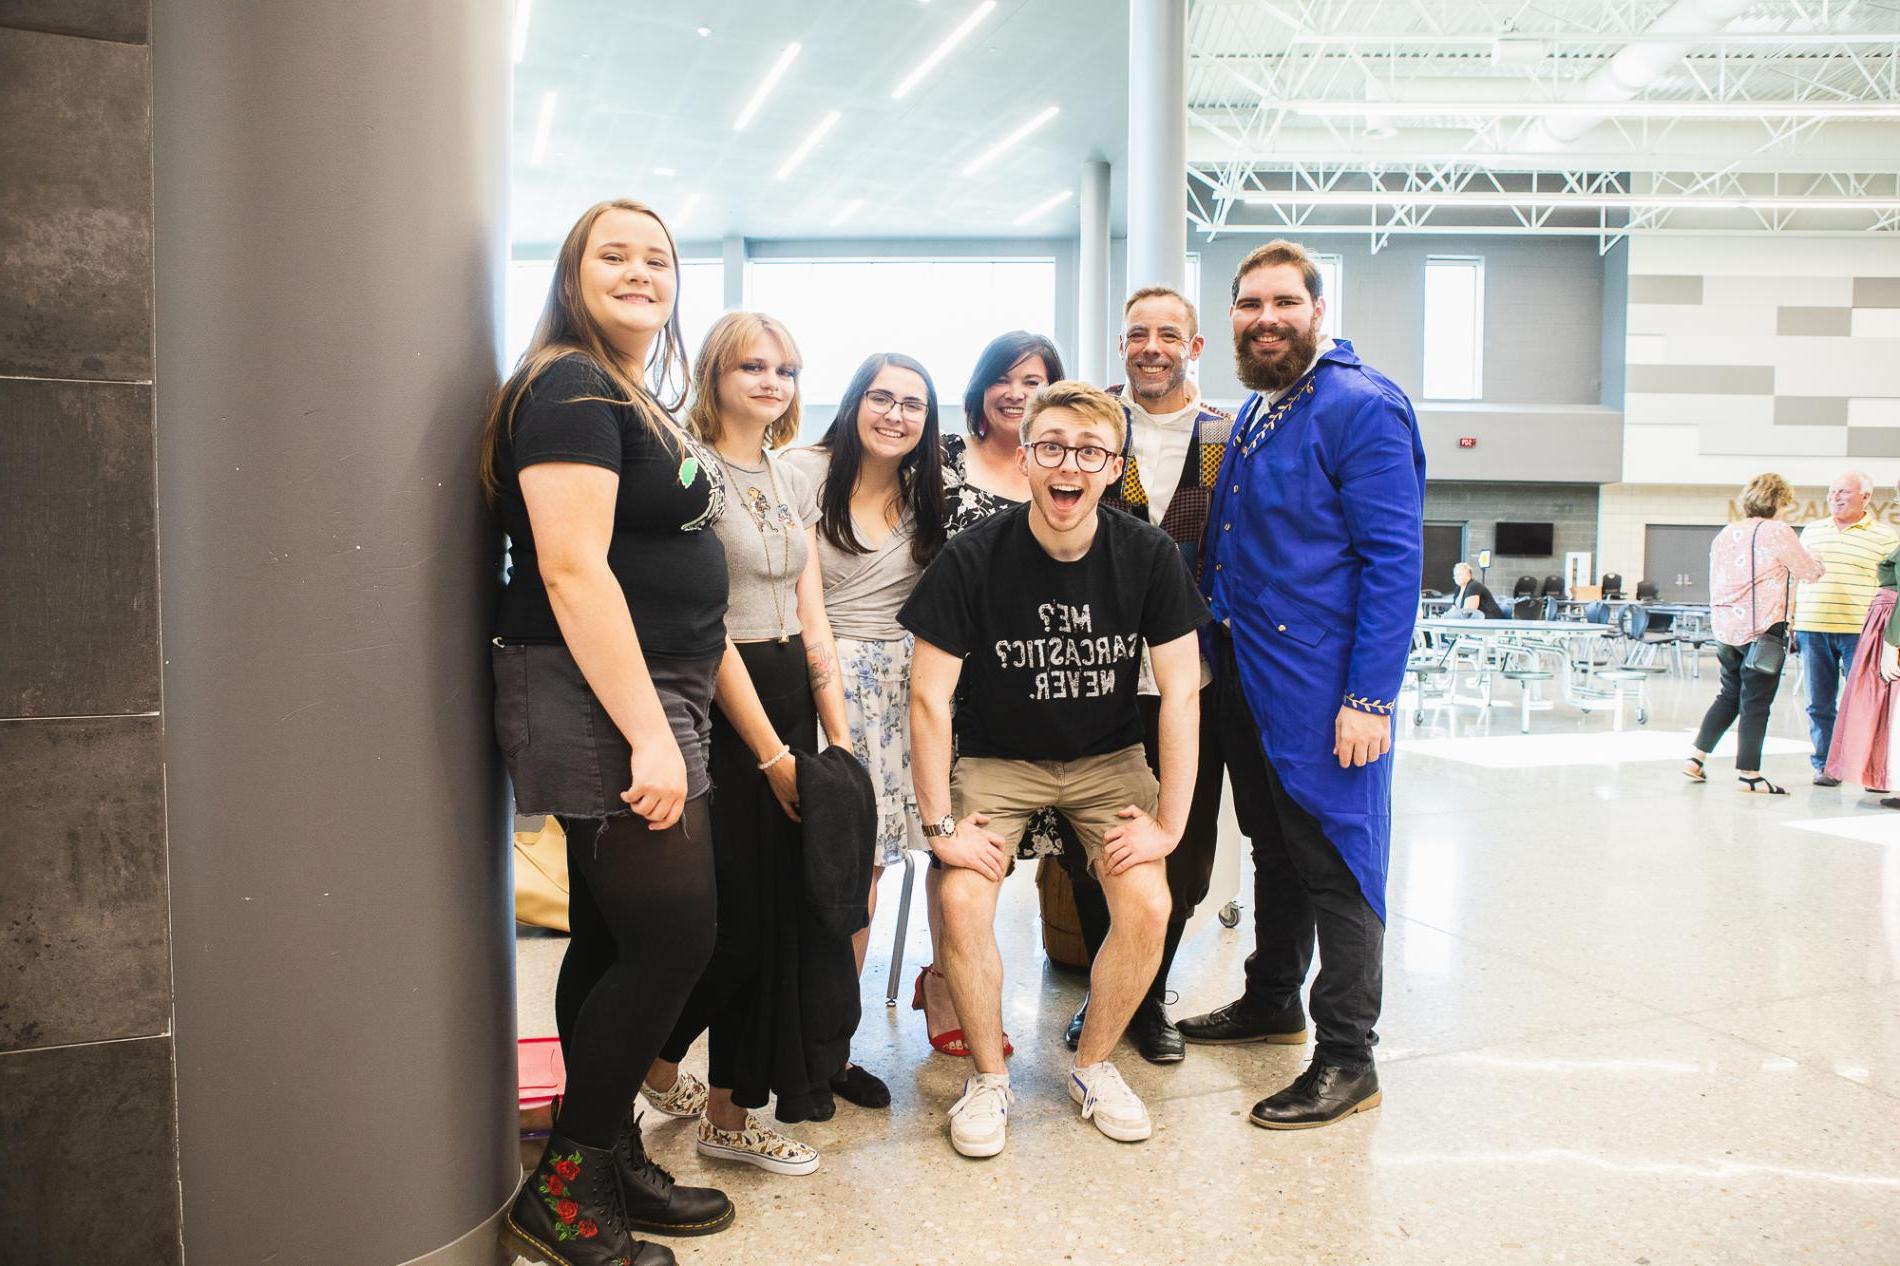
{"type": "Point", "coordinates": [1467, 441]}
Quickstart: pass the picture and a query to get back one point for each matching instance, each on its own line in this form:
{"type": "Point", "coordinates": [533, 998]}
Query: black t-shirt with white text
{"type": "Point", "coordinates": [1052, 649]}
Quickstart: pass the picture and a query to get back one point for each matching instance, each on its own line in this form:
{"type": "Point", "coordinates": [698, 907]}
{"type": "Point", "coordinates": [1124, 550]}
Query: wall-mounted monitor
{"type": "Point", "coordinates": [1526, 540]}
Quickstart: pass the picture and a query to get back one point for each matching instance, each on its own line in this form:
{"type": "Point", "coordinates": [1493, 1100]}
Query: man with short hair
{"type": "Point", "coordinates": [1042, 610]}
{"type": "Point", "coordinates": [1472, 600]}
{"type": "Point", "coordinates": [1169, 462]}
{"type": "Point", "coordinates": [1312, 566]}
{"type": "Point", "coordinates": [1829, 612]}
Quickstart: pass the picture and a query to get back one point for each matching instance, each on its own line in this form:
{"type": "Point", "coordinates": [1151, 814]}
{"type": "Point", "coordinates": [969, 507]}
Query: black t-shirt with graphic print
{"type": "Point", "coordinates": [1052, 649]}
{"type": "Point", "coordinates": [669, 562]}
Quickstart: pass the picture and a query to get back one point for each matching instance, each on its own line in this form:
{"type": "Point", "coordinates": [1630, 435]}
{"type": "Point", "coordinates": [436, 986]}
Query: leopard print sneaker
{"type": "Point", "coordinates": [686, 1097]}
{"type": "Point", "coordinates": [758, 1144]}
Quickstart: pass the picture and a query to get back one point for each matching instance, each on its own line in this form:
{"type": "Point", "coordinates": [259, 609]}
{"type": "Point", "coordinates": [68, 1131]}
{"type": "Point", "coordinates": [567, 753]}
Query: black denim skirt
{"type": "Point", "coordinates": [565, 754]}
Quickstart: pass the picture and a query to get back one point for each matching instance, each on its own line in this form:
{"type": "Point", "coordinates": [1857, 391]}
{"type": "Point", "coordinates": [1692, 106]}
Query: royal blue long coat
{"type": "Point", "coordinates": [1313, 555]}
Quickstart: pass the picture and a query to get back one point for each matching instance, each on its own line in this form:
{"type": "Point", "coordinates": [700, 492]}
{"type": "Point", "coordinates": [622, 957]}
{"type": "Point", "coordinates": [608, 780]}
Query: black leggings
{"type": "Point", "coordinates": [641, 908]}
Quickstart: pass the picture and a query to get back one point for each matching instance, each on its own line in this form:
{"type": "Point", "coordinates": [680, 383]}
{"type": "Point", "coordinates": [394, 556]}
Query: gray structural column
{"type": "Point", "coordinates": [330, 185]}
{"type": "Point", "coordinates": [1092, 301]}
{"type": "Point", "coordinates": [1157, 143]}
{"type": "Point", "coordinates": [733, 253]}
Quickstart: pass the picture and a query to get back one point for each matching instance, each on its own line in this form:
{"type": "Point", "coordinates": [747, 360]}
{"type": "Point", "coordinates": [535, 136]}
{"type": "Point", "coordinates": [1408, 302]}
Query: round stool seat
{"type": "Point", "coordinates": [1527, 674]}
{"type": "Point", "coordinates": [1620, 674]}
{"type": "Point", "coordinates": [1427, 670]}
{"type": "Point", "coordinates": [1651, 669]}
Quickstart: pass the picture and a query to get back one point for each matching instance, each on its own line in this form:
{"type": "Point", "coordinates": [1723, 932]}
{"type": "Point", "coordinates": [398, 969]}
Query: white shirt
{"type": "Point", "coordinates": [1160, 443]}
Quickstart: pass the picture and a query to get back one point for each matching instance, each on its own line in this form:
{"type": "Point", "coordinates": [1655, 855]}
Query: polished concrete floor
{"type": "Point", "coordinates": [1628, 1020]}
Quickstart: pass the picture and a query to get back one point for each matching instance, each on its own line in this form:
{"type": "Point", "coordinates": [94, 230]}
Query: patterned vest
{"type": "Point", "coordinates": [1194, 489]}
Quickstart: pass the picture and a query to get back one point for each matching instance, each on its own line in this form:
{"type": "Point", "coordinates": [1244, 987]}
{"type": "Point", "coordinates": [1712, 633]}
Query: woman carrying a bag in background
{"type": "Point", "coordinates": [1752, 566]}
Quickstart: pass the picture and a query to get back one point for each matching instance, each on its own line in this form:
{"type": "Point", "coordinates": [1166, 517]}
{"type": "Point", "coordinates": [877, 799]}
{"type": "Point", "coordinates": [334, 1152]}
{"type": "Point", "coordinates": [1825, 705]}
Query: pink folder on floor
{"type": "Point", "coordinates": [543, 1079]}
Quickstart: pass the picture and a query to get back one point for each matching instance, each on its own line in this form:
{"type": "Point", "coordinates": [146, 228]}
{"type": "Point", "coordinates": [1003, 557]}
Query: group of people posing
{"type": "Point", "coordinates": [1054, 633]}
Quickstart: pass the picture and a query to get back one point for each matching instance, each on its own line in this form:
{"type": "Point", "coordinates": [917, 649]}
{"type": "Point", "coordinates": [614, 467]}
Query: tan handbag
{"type": "Point", "coordinates": [541, 877]}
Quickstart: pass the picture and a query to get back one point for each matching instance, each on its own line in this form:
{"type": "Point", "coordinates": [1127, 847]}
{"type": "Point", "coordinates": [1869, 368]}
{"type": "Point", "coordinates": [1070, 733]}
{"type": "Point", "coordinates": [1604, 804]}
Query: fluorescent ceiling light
{"type": "Point", "coordinates": [685, 213]}
{"type": "Point", "coordinates": [765, 87]}
{"type": "Point", "coordinates": [1045, 206]}
{"type": "Point", "coordinates": [524, 10]}
{"type": "Point", "coordinates": [1571, 201]}
{"type": "Point", "coordinates": [1596, 109]}
{"type": "Point", "coordinates": [1009, 142]}
{"type": "Point", "coordinates": [807, 145]}
{"type": "Point", "coordinates": [848, 210]}
{"type": "Point", "coordinates": [942, 50]}
{"type": "Point", "coordinates": [543, 127]}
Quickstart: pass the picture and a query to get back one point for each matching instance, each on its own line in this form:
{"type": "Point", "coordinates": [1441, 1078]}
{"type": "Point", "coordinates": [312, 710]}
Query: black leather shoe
{"type": "Point", "coordinates": [654, 1202]}
{"type": "Point", "coordinates": [1238, 1022]}
{"type": "Point", "coordinates": [1072, 1036]}
{"type": "Point", "coordinates": [1323, 1094]}
{"type": "Point", "coordinates": [1154, 1034]}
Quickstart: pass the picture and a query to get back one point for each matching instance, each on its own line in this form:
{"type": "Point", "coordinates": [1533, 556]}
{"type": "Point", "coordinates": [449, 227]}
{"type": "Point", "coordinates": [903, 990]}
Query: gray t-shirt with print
{"type": "Point", "coordinates": [768, 509]}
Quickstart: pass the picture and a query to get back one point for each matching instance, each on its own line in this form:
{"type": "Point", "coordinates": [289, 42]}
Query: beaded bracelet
{"type": "Point", "coordinates": [780, 755]}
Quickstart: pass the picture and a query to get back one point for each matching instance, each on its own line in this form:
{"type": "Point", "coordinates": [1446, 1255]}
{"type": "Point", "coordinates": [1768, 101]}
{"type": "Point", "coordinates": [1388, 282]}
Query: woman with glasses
{"type": "Point", "coordinates": [981, 477]}
{"type": "Point", "coordinates": [879, 474]}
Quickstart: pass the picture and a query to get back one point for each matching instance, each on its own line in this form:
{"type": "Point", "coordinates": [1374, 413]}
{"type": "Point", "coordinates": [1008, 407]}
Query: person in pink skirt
{"type": "Point", "coordinates": [1862, 749]}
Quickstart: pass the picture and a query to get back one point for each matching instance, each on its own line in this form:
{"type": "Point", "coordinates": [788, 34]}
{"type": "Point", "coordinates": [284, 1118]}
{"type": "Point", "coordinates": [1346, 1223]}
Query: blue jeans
{"type": "Point", "coordinates": [1827, 657]}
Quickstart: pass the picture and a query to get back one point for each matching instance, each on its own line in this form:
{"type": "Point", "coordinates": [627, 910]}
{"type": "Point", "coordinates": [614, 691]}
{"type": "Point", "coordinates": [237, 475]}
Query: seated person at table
{"type": "Point", "coordinates": [1472, 601]}
{"type": "Point", "coordinates": [1042, 610]}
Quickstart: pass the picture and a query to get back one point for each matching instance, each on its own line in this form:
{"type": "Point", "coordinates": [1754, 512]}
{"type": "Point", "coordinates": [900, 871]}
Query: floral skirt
{"type": "Point", "coordinates": [876, 677]}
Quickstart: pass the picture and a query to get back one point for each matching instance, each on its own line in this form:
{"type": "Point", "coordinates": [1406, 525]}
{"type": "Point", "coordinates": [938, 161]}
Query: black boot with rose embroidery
{"type": "Point", "coordinates": [570, 1213]}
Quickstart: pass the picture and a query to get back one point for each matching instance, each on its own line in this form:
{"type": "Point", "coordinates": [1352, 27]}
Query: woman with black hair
{"type": "Point", "coordinates": [984, 474]}
{"type": "Point", "coordinates": [879, 471]}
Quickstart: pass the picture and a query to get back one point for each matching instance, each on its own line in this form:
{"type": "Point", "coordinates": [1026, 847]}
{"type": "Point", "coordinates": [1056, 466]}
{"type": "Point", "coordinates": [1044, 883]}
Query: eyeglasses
{"type": "Point", "coordinates": [1089, 458]}
{"type": "Point", "coordinates": [909, 407]}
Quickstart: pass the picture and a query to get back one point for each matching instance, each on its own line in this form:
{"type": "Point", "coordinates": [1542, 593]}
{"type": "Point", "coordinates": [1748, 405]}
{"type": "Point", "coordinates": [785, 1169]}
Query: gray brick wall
{"type": "Point", "coordinates": [1570, 508]}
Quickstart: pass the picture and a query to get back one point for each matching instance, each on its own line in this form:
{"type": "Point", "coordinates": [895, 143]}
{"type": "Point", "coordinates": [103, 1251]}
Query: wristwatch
{"type": "Point", "coordinates": [943, 826]}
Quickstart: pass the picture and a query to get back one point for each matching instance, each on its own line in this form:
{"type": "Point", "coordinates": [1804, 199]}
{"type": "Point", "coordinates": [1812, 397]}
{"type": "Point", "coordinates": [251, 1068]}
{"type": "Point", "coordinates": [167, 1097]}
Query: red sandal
{"type": "Point", "coordinates": [950, 1041]}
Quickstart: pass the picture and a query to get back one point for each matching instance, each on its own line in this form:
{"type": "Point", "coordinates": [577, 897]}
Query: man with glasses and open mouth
{"type": "Point", "coordinates": [1044, 609]}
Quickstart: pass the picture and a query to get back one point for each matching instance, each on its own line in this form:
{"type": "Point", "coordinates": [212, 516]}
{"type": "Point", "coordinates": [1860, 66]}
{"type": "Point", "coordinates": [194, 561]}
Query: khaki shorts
{"type": "Point", "coordinates": [1090, 792]}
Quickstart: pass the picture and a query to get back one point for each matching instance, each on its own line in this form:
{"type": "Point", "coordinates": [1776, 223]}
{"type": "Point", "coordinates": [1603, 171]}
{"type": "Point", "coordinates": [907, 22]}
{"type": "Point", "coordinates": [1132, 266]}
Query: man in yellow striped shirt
{"type": "Point", "coordinates": [1829, 612]}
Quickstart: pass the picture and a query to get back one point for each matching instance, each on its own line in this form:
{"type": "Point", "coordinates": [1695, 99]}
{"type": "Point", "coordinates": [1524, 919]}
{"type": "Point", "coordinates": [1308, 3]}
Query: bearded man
{"type": "Point", "coordinates": [1311, 565]}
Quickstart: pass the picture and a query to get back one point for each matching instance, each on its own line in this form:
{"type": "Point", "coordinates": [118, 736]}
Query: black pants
{"type": "Point", "coordinates": [751, 837]}
{"type": "Point", "coordinates": [1190, 865]}
{"type": "Point", "coordinates": [640, 904]}
{"type": "Point", "coordinates": [1302, 891]}
{"type": "Point", "coordinates": [1743, 693]}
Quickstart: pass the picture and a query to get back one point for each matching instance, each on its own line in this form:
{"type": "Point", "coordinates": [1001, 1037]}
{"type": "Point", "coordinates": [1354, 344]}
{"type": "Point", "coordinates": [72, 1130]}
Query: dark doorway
{"type": "Point", "coordinates": [1444, 545]}
{"type": "Point", "coordinates": [1676, 560]}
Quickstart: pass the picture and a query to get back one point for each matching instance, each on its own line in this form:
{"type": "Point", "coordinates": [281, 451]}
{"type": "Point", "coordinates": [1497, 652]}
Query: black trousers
{"type": "Point", "coordinates": [1303, 892]}
{"type": "Point", "coordinates": [1744, 694]}
{"type": "Point", "coordinates": [1190, 865]}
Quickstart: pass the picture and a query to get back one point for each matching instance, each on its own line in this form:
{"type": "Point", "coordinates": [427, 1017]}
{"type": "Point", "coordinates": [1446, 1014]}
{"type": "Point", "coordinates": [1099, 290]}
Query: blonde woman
{"type": "Point", "coordinates": [1752, 566]}
{"type": "Point", "coordinates": [609, 632]}
{"type": "Point", "coordinates": [778, 684]}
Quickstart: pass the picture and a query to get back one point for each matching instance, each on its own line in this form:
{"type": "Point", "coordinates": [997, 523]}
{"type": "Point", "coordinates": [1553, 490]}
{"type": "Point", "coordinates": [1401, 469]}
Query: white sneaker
{"type": "Point", "coordinates": [979, 1122]}
{"type": "Point", "coordinates": [686, 1097]}
{"type": "Point", "coordinates": [758, 1144]}
{"type": "Point", "coordinates": [1107, 1100]}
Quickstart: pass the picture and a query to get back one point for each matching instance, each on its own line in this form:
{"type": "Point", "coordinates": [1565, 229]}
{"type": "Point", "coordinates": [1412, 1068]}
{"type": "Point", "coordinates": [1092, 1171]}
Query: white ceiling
{"type": "Point", "coordinates": [639, 90]}
{"type": "Point", "coordinates": [1490, 95]}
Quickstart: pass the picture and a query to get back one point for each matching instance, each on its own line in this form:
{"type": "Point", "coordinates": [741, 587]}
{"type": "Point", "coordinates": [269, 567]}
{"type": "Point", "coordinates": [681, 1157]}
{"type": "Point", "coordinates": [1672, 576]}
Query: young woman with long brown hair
{"type": "Point", "coordinates": [608, 636]}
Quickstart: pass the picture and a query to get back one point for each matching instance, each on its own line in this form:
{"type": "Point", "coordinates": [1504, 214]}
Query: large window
{"type": "Point", "coordinates": [941, 311]}
{"type": "Point", "coordinates": [1329, 289]}
{"type": "Point", "coordinates": [1454, 327]}
{"type": "Point", "coordinates": [702, 298]}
